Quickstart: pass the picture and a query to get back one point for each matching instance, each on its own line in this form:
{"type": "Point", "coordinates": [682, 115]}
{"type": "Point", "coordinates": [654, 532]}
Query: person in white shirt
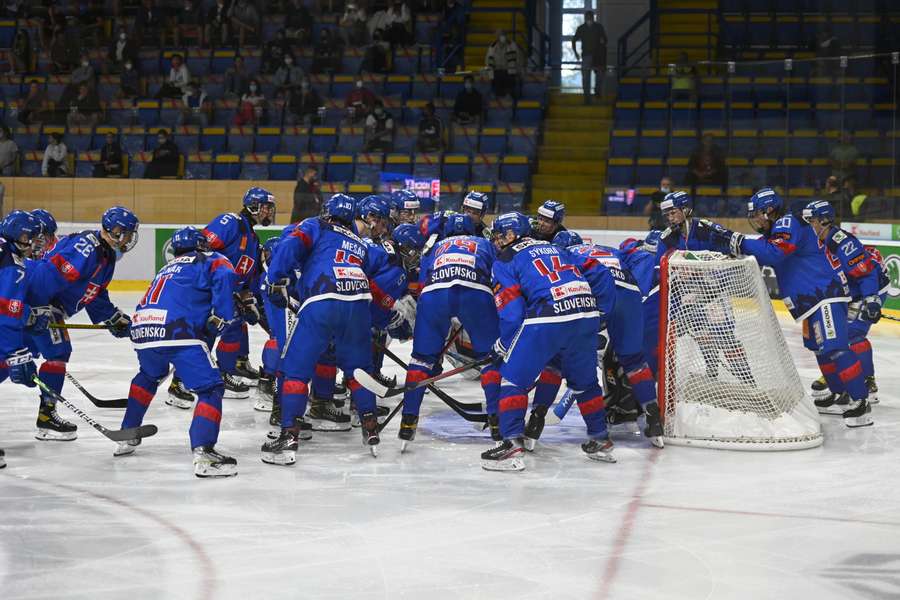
{"type": "Point", "coordinates": [54, 164]}
{"type": "Point", "coordinates": [177, 83]}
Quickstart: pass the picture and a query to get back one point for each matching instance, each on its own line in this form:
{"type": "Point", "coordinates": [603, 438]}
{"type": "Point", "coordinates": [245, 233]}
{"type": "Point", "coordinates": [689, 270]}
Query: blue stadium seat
{"type": "Point", "coordinates": [134, 140]}
{"type": "Point", "coordinates": [56, 84]}
{"type": "Point", "coordinates": [528, 113]}
{"type": "Point", "coordinates": [283, 167]}
{"type": "Point", "coordinates": [198, 62]}
{"type": "Point", "coordinates": [456, 168]}
{"type": "Point", "coordinates": [871, 143]}
{"type": "Point", "coordinates": [224, 112]}
{"type": "Point", "coordinates": [509, 197]}
{"type": "Point", "coordinates": [499, 113]}
{"type": "Point", "coordinates": [631, 88]}
{"type": "Point", "coordinates": [121, 112]}
{"type": "Point", "coordinates": [78, 140]}
{"type": "Point", "coordinates": [368, 168]}
{"type": "Point", "coordinates": [743, 116]}
{"type": "Point", "coordinates": [350, 140]}
{"type": "Point", "coordinates": [107, 87]}
{"type": "Point", "coordinates": [351, 61]}
{"type": "Point", "coordinates": [148, 112]}
{"type": "Point", "coordinates": [684, 115]}
{"type": "Point", "coordinates": [11, 85]}
{"type": "Point", "coordinates": [187, 138]}
{"type": "Point", "coordinates": [148, 62]}
{"type": "Point", "coordinates": [624, 143]}
{"type": "Point", "coordinates": [31, 163]}
{"type": "Point", "coordinates": [627, 114]}
{"type": "Point", "coordinates": [712, 114]}
{"type": "Point", "coordinates": [464, 139]}
{"type": "Point", "coordinates": [450, 85]}
{"type": "Point", "coordinates": [255, 165]}
{"type": "Point", "coordinates": [744, 143]}
{"type": "Point", "coordinates": [427, 166]}
{"type": "Point", "coordinates": [226, 166]}
{"type": "Point", "coordinates": [212, 139]}
{"type": "Point", "coordinates": [406, 61]}
{"type": "Point", "coordinates": [398, 85]}
{"type": "Point", "coordinates": [137, 164]}
{"type": "Point", "coordinates": [711, 88]}
{"type": "Point", "coordinates": [655, 116]}
{"type": "Point", "coordinates": [828, 116]}
{"type": "Point", "coordinates": [803, 143]}
{"type": "Point", "coordinates": [268, 139]}
{"type": "Point", "coordinates": [654, 143]}
{"type": "Point", "coordinates": [323, 139]}
{"type": "Point", "coordinates": [198, 166]}
{"type": "Point", "coordinates": [534, 86]}
{"type": "Point", "coordinates": [405, 139]}
{"type": "Point", "coordinates": [339, 168]}
{"type": "Point", "coordinates": [771, 115]}
{"type": "Point", "coordinates": [169, 110]}
{"type": "Point", "coordinates": [620, 171]}
{"type": "Point", "coordinates": [649, 170]}
{"type": "Point", "coordinates": [84, 166]}
{"type": "Point", "coordinates": [294, 140]}
{"type": "Point", "coordinates": [492, 140]}
{"type": "Point", "coordinates": [772, 143]}
{"type": "Point", "coordinates": [240, 140]}
{"type": "Point", "coordinates": [398, 163]}
{"type": "Point", "coordinates": [514, 168]}
{"type": "Point", "coordinates": [656, 89]}
{"type": "Point", "coordinates": [801, 116]}
{"type": "Point", "coordinates": [485, 167]}
{"type": "Point", "coordinates": [222, 60]}
{"type": "Point", "coordinates": [424, 86]}
{"type": "Point", "coordinates": [451, 195]}
{"type": "Point", "coordinates": [857, 115]}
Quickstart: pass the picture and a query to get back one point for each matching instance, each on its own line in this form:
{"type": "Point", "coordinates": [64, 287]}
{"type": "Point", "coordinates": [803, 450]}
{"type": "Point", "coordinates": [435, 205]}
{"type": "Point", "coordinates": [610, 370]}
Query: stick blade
{"type": "Point", "coordinates": [370, 383]}
{"type": "Point", "coordinates": [117, 403]}
{"type": "Point", "coordinates": [132, 433]}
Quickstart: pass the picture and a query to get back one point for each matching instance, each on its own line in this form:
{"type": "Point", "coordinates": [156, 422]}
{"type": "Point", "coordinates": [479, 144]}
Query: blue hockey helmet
{"type": "Point", "coordinates": [404, 204]}
{"type": "Point", "coordinates": [374, 205]}
{"type": "Point", "coordinates": [260, 204]}
{"type": "Point", "coordinates": [407, 235]}
{"type": "Point", "coordinates": [458, 224]}
{"type": "Point", "coordinates": [476, 202]}
{"type": "Point", "coordinates": [763, 209]}
{"type": "Point", "coordinates": [678, 199]}
{"type": "Point", "coordinates": [121, 225]}
{"type": "Point", "coordinates": [553, 210]}
{"type": "Point", "coordinates": [566, 238]}
{"type": "Point", "coordinates": [341, 208]}
{"type": "Point", "coordinates": [22, 229]}
{"type": "Point", "coordinates": [268, 248]}
{"type": "Point", "coordinates": [188, 239]}
{"type": "Point", "coordinates": [48, 223]}
{"type": "Point", "coordinates": [512, 221]}
{"type": "Point", "coordinates": [820, 210]}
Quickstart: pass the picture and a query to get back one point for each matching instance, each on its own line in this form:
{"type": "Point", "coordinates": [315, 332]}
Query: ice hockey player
{"type": "Point", "coordinates": [188, 303]}
{"type": "Point", "coordinates": [814, 292]}
{"type": "Point", "coordinates": [623, 311]}
{"type": "Point", "coordinates": [47, 237]}
{"type": "Point", "coordinates": [868, 290]}
{"type": "Point", "coordinates": [334, 296]}
{"type": "Point", "coordinates": [546, 309]}
{"type": "Point", "coordinates": [271, 353]}
{"type": "Point", "coordinates": [19, 231]}
{"type": "Point", "coordinates": [639, 257]}
{"type": "Point", "coordinates": [455, 275]}
{"type": "Point", "coordinates": [74, 276]}
{"type": "Point", "coordinates": [683, 232]}
{"type": "Point", "coordinates": [549, 220]}
{"type": "Point", "coordinates": [233, 236]}
{"type": "Point", "coordinates": [404, 207]}
{"type": "Point", "coordinates": [475, 204]}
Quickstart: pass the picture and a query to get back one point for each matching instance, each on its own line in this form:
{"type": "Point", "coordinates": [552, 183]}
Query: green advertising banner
{"type": "Point", "coordinates": [163, 252]}
{"type": "Point", "coordinates": [891, 255]}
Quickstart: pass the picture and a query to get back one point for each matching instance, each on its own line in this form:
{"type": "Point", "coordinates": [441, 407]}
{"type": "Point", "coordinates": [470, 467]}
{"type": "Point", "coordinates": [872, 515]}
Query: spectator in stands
{"type": "Point", "coordinates": [60, 53]}
{"type": "Point", "coordinates": [707, 165]}
{"type": "Point", "coordinates": [129, 82]}
{"type": "Point", "coordinates": [652, 210]}
{"type": "Point", "coordinates": [237, 79]}
{"type": "Point", "coordinates": [253, 105]}
{"type": "Point", "coordinates": [303, 105]}
{"type": "Point", "coordinates": [55, 154]}
{"type": "Point", "coordinates": [503, 62]}
{"type": "Point", "coordinates": [216, 29]}
{"type": "Point", "coordinates": [307, 197]}
{"type": "Point", "coordinates": [165, 158]}
{"type": "Point", "coordinates": [468, 108]}
{"type": "Point", "coordinates": [843, 158]}
{"type": "Point", "coordinates": [398, 25]}
{"type": "Point", "coordinates": [177, 82]}
{"type": "Point", "coordinates": [52, 25]}
{"type": "Point", "coordinates": [431, 131]}
{"type": "Point", "coordinates": [34, 109]}
{"type": "Point", "coordinates": [450, 34]}
{"type": "Point", "coordinates": [327, 53]}
{"type": "Point", "coordinates": [110, 164]}
{"type": "Point", "coordinates": [288, 76]}
{"type": "Point", "coordinates": [149, 23]}
{"type": "Point", "coordinates": [592, 36]}
{"type": "Point", "coordinates": [195, 108]}
{"type": "Point", "coordinates": [121, 50]}
{"type": "Point", "coordinates": [376, 57]}
{"type": "Point", "coordinates": [9, 152]}
{"type": "Point", "coordinates": [21, 52]}
{"type": "Point", "coordinates": [359, 101]}
{"type": "Point", "coordinates": [379, 133]}
{"type": "Point", "coordinates": [83, 75]}
{"type": "Point", "coordinates": [274, 52]}
{"type": "Point", "coordinates": [298, 24]}
{"type": "Point", "coordinates": [245, 21]}
{"type": "Point", "coordinates": [84, 109]}
{"type": "Point", "coordinates": [684, 78]}
{"type": "Point", "coordinates": [187, 22]}
{"type": "Point", "coordinates": [353, 25]}
{"type": "Point", "coordinates": [828, 46]}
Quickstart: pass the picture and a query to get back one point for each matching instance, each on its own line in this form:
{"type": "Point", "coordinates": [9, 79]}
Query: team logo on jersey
{"type": "Point", "coordinates": [574, 288]}
{"type": "Point", "coordinates": [828, 323]}
{"type": "Point", "coordinates": [90, 294]}
{"type": "Point", "coordinates": [150, 316]}
{"type": "Point", "coordinates": [349, 273]}
{"type": "Point", "coordinates": [455, 260]}
{"type": "Point", "coordinates": [11, 308]}
{"type": "Point", "coordinates": [244, 265]}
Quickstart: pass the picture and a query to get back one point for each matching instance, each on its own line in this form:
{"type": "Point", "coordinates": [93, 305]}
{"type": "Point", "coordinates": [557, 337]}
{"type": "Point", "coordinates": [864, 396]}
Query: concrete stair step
{"type": "Point", "coordinates": [512, 4]}
{"type": "Point", "coordinates": [574, 124]}
{"type": "Point", "coordinates": [576, 138]}
{"type": "Point", "coordinates": [571, 153]}
{"type": "Point", "coordinates": [571, 182]}
{"type": "Point", "coordinates": [585, 202]}
{"type": "Point", "coordinates": [590, 168]}
{"type": "Point", "coordinates": [486, 38]}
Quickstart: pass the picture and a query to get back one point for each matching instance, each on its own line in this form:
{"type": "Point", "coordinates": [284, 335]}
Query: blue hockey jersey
{"type": "Point", "coordinates": [461, 260]}
{"type": "Point", "coordinates": [233, 236]}
{"type": "Point", "coordinates": [334, 262]}
{"type": "Point", "coordinates": [536, 282]}
{"type": "Point", "coordinates": [14, 282]}
{"type": "Point", "coordinates": [865, 276]}
{"type": "Point", "coordinates": [806, 277]}
{"type": "Point", "coordinates": [699, 237]}
{"type": "Point", "coordinates": [75, 275]}
{"type": "Point", "coordinates": [388, 281]}
{"type": "Point", "coordinates": [598, 275]}
{"type": "Point", "coordinates": [174, 309]}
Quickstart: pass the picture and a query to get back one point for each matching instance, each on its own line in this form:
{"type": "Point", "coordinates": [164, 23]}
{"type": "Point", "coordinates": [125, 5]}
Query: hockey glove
{"type": "Point", "coordinates": [870, 311]}
{"type": "Point", "coordinates": [853, 310]}
{"type": "Point", "coordinates": [119, 324]}
{"type": "Point", "coordinates": [399, 328]}
{"type": "Point", "coordinates": [406, 306]}
{"type": "Point", "coordinates": [21, 367]}
{"type": "Point", "coordinates": [734, 244]}
{"type": "Point", "coordinates": [39, 318]}
{"type": "Point", "coordinates": [278, 292]}
{"type": "Point", "coordinates": [247, 307]}
{"type": "Point", "coordinates": [499, 352]}
{"type": "Point", "coordinates": [215, 325]}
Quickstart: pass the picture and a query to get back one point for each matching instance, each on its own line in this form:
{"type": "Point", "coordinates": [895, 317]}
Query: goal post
{"type": "Point", "coordinates": [726, 378]}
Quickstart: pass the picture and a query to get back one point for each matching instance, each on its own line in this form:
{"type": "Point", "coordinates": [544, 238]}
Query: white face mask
{"type": "Point", "coordinates": [665, 189]}
{"type": "Point", "coordinates": [359, 84]}
{"type": "Point", "coordinates": [122, 36]}
{"type": "Point", "coordinates": [252, 88]}
{"type": "Point", "coordinates": [289, 61]}
{"type": "Point", "coordinates": [84, 63]}
{"type": "Point", "coordinates": [128, 66]}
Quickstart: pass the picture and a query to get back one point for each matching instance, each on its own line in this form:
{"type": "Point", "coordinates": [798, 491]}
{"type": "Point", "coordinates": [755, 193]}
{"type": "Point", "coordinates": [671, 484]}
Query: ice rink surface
{"type": "Point", "coordinates": [431, 524]}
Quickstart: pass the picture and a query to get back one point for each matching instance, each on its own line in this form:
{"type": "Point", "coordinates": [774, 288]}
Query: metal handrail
{"type": "Point", "coordinates": [543, 52]}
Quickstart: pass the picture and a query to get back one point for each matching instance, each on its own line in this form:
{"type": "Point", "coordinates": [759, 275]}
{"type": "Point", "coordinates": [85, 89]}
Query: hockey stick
{"type": "Point", "coordinates": [890, 318]}
{"type": "Point", "coordinates": [384, 423]}
{"type": "Point", "coordinates": [78, 326]}
{"type": "Point", "coordinates": [383, 391]}
{"type": "Point", "coordinates": [119, 435]}
{"type": "Point", "coordinates": [117, 403]}
{"type": "Point", "coordinates": [562, 407]}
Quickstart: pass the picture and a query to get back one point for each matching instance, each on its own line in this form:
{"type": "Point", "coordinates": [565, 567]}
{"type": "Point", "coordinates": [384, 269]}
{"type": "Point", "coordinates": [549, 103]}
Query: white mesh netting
{"type": "Point", "coordinates": [727, 378]}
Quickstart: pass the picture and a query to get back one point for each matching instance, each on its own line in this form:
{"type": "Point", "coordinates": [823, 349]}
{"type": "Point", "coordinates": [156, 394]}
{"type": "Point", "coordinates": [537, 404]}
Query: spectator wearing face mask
{"type": "Point", "coordinates": [178, 80]}
{"type": "Point", "coordinates": [122, 50]}
{"type": "Point", "coordinates": [303, 105]}
{"type": "Point", "coordinates": [110, 164]}
{"type": "Point", "coordinates": [195, 109]}
{"type": "Point", "coordinates": [237, 79]}
{"type": "Point", "coordinates": [307, 197]}
{"type": "Point", "coordinates": [468, 108]}
{"type": "Point", "coordinates": [274, 52]}
{"type": "Point", "coordinates": [431, 131]}
{"type": "Point", "coordinates": [84, 109]}
{"type": "Point", "coordinates": [252, 105]}
{"type": "Point", "coordinates": [652, 210]}
{"type": "Point", "coordinates": [165, 158]}
{"type": "Point", "coordinates": [83, 75]}
{"type": "Point", "coordinates": [55, 155]}
{"type": "Point", "coordinates": [327, 53]}
{"type": "Point", "coordinates": [379, 133]}
{"type": "Point", "coordinates": [129, 82]}
{"type": "Point", "coordinates": [245, 21]}
{"type": "Point", "coordinates": [359, 101]}
{"type": "Point", "coordinates": [298, 24]}
{"type": "Point", "coordinates": [216, 31]}
{"type": "Point", "coordinates": [353, 25]}
{"type": "Point", "coordinates": [503, 62]}
{"type": "Point", "coordinates": [288, 76]}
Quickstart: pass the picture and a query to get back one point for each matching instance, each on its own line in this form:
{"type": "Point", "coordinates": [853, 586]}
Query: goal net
{"type": "Point", "coordinates": [726, 378]}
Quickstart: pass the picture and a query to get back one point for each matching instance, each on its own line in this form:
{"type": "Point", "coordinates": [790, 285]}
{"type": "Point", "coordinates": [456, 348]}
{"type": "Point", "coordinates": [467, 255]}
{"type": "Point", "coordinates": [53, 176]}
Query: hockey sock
{"type": "Point", "coordinates": [547, 387]}
{"type": "Point", "coordinates": [416, 372]}
{"type": "Point", "coordinates": [53, 373]}
{"type": "Point", "coordinates": [863, 351]}
{"type": "Point", "coordinates": [490, 385]}
{"type": "Point", "coordinates": [207, 416]}
{"type": "Point", "coordinates": [244, 350]}
{"type": "Point", "coordinates": [226, 354]}
{"type": "Point", "coordinates": [140, 394]}
{"type": "Point", "coordinates": [323, 381]}
{"type": "Point", "coordinates": [829, 371]}
{"type": "Point", "coordinates": [362, 398]}
{"type": "Point", "coordinates": [294, 397]}
{"type": "Point", "coordinates": [850, 373]}
{"type": "Point", "coordinates": [513, 404]}
{"type": "Point", "coordinates": [593, 410]}
{"type": "Point", "coordinates": [643, 387]}
{"type": "Point", "coordinates": [4, 371]}
{"type": "Point", "coordinates": [270, 355]}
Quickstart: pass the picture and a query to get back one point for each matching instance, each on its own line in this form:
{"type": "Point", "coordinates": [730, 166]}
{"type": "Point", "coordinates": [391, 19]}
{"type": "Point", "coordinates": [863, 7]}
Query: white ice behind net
{"type": "Point", "coordinates": [730, 381]}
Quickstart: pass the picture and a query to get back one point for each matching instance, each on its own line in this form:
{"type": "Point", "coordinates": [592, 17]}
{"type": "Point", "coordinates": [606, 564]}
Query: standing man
{"type": "Point", "coordinates": [307, 198]}
{"type": "Point", "coordinates": [593, 54]}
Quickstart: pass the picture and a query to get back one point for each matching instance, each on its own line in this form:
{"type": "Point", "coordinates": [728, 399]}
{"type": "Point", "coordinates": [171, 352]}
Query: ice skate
{"type": "Point", "coordinates": [2, 458]}
{"type": "Point", "coordinates": [819, 389]}
{"type": "Point", "coordinates": [235, 389]}
{"type": "Point", "coordinates": [505, 456]}
{"type": "Point", "coordinates": [494, 425]}
{"type": "Point", "coordinates": [873, 389]}
{"type": "Point", "coordinates": [209, 463]}
{"type": "Point", "coordinates": [407, 433]}
{"type": "Point", "coordinates": [833, 404]}
{"type": "Point", "coordinates": [324, 416]}
{"type": "Point", "coordinates": [599, 450]}
{"type": "Point", "coordinates": [341, 393]}
{"type": "Point", "coordinates": [534, 427]}
{"type": "Point", "coordinates": [653, 431]}
{"type": "Point", "coordinates": [126, 447]}
{"type": "Point", "coordinates": [369, 428]}
{"type": "Point", "coordinates": [179, 396]}
{"type": "Point", "coordinates": [265, 393]}
{"type": "Point", "coordinates": [50, 427]}
{"type": "Point", "coordinates": [388, 382]}
{"type": "Point", "coordinates": [283, 450]}
{"type": "Point", "coordinates": [244, 369]}
{"type": "Point", "coordinates": [621, 420]}
{"type": "Point", "coordinates": [857, 414]}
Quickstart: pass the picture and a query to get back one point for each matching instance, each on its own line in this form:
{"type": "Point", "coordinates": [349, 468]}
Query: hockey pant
{"type": "Point", "coordinates": [233, 344]}
{"type": "Point", "coordinates": [651, 332]}
{"type": "Point", "coordinates": [476, 311]}
{"type": "Point", "coordinates": [348, 324]}
{"type": "Point", "coordinates": [534, 346]}
{"type": "Point", "coordinates": [195, 367]}
{"type": "Point", "coordinates": [825, 332]}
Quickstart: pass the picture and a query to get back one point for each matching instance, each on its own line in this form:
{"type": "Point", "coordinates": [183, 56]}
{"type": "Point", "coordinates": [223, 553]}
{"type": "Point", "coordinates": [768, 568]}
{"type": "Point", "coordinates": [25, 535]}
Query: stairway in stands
{"type": "Point", "coordinates": [673, 26]}
{"type": "Point", "coordinates": [483, 26]}
{"type": "Point", "coordinates": [571, 165]}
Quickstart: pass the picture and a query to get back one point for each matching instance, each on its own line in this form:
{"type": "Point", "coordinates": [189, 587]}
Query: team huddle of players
{"type": "Point", "coordinates": [525, 304]}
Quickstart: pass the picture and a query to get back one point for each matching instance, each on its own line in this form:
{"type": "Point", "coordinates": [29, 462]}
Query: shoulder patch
{"type": "Point", "coordinates": [839, 236]}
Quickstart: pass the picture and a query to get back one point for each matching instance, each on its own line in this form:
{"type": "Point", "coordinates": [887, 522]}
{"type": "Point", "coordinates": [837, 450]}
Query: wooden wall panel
{"type": "Point", "coordinates": [93, 196]}
{"type": "Point", "coordinates": [166, 201]}
{"type": "Point", "coordinates": [52, 193]}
